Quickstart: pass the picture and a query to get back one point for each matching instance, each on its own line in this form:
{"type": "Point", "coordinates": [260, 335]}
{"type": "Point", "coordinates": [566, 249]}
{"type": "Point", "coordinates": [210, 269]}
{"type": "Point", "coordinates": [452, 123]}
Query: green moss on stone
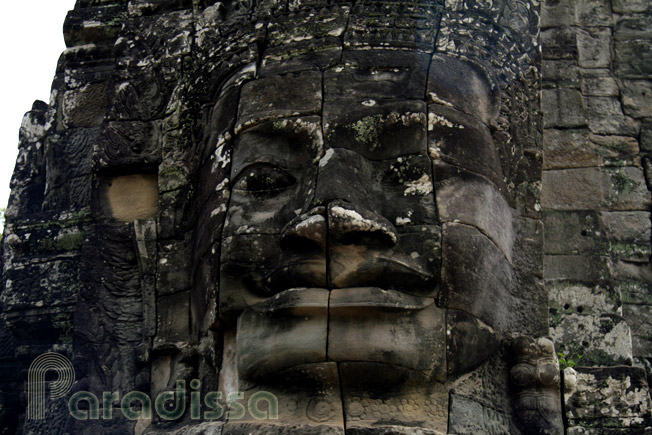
{"type": "Point", "coordinates": [66, 242]}
{"type": "Point", "coordinates": [63, 323]}
{"type": "Point", "coordinates": [70, 241]}
{"type": "Point", "coordinates": [630, 250]}
{"type": "Point", "coordinates": [635, 293]}
{"type": "Point", "coordinates": [622, 183]}
{"type": "Point", "coordinates": [368, 129]}
{"type": "Point", "coordinates": [116, 21]}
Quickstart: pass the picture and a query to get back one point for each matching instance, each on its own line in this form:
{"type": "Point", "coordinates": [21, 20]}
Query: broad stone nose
{"type": "Point", "coordinates": [349, 186]}
{"type": "Point", "coordinates": [342, 223]}
{"type": "Point", "coordinates": [347, 194]}
{"type": "Point", "coordinates": [345, 175]}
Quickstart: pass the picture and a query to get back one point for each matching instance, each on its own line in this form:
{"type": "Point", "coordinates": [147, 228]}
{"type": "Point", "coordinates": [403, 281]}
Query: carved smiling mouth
{"type": "Point", "coordinates": [391, 275]}
{"type": "Point", "coordinates": [300, 326]}
{"type": "Point", "coordinates": [354, 297]}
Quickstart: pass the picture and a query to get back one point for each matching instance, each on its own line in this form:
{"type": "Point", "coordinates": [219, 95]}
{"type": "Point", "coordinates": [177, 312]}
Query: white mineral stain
{"type": "Point", "coordinates": [222, 184]}
{"type": "Point", "coordinates": [221, 158]}
{"type": "Point", "coordinates": [251, 68]}
{"type": "Point", "coordinates": [401, 221]}
{"type": "Point", "coordinates": [354, 221]}
{"type": "Point", "coordinates": [245, 229]}
{"type": "Point", "coordinates": [301, 38]}
{"type": "Point", "coordinates": [314, 219]}
{"type": "Point", "coordinates": [434, 119]}
{"type": "Point", "coordinates": [327, 156]}
{"type": "Point", "coordinates": [218, 210]}
{"type": "Point", "coordinates": [434, 152]}
{"type": "Point", "coordinates": [409, 118]}
{"type": "Point", "coordinates": [614, 397]}
{"type": "Point", "coordinates": [222, 139]}
{"type": "Point", "coordinates": [336, 32]}
{"type": "Point", "coordinates": [33, 131]}
{"type": "Point", "coordinates": [422, 186]}
{"type": "Point", "coordinates": [122, 86]}
{"type": "Point", "coordinates": [262, 215]}
{"type": "Point", "coordinates": [435, 99]}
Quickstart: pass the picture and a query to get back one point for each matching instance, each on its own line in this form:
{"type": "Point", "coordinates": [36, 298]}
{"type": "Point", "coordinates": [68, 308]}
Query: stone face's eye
{"type": "Point", "coordinates": [263, 179]}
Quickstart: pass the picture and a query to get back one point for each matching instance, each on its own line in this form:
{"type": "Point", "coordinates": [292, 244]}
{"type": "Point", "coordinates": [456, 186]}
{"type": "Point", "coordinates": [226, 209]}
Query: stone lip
{"type": "Point", "coordinates": [376, 297]}
{"type": "Point", "coordinates": [354, 297]}
{"type": "Point", "coordinates": [308, 273]}
{"type": "Point", "coordinates": [351, 268]}
{"type": "Point", "coordinates": [390, 270]}
{"type": "Point", "coordinates": [292, 299]}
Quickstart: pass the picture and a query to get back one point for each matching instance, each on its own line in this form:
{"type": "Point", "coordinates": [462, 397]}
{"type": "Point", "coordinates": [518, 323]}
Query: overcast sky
{"type": "Point", "coordinates": [32, 39]}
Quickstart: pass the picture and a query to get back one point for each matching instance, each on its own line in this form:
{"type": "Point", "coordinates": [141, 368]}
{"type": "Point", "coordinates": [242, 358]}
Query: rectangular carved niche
{"type": "Point", "coordinates": [129, 197]}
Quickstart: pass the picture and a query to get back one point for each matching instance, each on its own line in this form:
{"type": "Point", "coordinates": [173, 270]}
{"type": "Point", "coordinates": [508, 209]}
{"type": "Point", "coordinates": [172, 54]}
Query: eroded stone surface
{"type": "Point", "coordinates": [578, 148]}
{"type": "Point", "coordinates": [605, 397]}
{"type": "Point", "coordinates": [535, 376]}
{"type": "Point", "coordinates": [595, 189]}
{"type": "Point", "coordinates": [131, 197]}
{"type": "Point", "coordinates": [601, 339]}
{"type": "Point", "coordinates": [342, 207]}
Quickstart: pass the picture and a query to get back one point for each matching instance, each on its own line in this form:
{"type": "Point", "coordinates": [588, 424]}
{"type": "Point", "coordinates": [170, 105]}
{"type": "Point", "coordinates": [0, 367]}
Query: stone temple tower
{"type": "Point", "coordinates": [335, 217]}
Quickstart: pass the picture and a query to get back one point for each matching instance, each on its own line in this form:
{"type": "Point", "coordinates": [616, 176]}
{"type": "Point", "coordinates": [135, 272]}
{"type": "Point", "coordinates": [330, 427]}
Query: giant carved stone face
{"type": "Point", "coordinates": [360, 245]}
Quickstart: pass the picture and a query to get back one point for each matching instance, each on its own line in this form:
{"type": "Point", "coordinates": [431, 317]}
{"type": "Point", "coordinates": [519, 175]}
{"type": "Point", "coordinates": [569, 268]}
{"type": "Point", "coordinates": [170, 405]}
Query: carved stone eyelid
{"type": "Point", "coordinates": [273, 169]}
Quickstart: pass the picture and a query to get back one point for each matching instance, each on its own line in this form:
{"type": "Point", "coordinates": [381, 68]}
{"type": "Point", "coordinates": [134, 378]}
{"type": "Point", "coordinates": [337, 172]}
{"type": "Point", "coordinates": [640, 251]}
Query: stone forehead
{"type": "Point", "coordinates": [368, 80]}
{"type": "Point", "coordinates": [501, 35]}
{"type": "Point", "coordinates": [504, 12]}
{"type": "Point", "coordinates": [449, 123]}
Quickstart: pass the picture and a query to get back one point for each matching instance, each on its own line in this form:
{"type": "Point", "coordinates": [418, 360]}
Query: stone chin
{"type": "Point", "coordinates": [408, 334]}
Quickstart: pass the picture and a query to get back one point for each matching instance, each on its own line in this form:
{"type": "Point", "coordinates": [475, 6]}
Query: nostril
{"type": "Point", "coordinates": [373, 240]}
{"type": "Point", "coordinates": [300, 244]}
{"type": "Point", "coordinates": [306, 232]}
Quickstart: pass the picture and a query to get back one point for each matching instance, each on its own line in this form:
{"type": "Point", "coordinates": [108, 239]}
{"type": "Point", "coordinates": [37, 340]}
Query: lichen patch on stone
{"type": "Point", "coordinates": [422, 186]}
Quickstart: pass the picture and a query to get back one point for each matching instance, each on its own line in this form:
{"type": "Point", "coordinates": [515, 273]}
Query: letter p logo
{"type": "Point", "coordinates": [36, 382]}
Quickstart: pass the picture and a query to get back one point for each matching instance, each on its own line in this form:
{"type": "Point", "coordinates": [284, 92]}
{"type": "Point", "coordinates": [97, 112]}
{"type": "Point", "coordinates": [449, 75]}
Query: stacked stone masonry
{"type": "Point", "coordinates": [596, 205]}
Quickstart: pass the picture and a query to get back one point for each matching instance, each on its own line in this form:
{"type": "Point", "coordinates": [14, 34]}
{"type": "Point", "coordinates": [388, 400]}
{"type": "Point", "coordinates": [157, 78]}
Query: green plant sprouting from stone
{"type": "Point", "coordinates": [567, 361]}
